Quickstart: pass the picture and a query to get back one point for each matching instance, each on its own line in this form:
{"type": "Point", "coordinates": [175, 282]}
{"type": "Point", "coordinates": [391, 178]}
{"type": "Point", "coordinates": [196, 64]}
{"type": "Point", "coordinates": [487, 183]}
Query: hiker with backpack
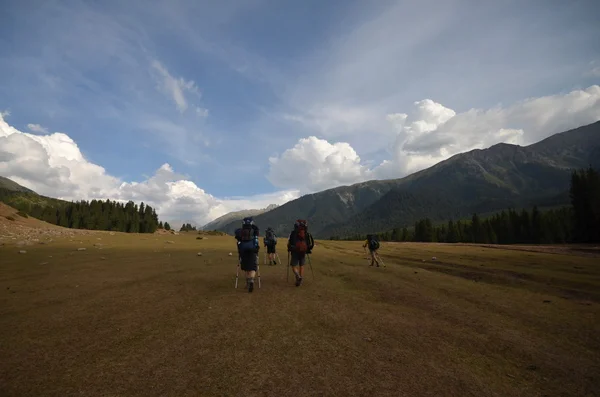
{"type": "Point", "coordinates": [248, 247]}
{"type": "Point", "coordinates": [300, 244]}
{"type": "Point", "coordinates": [373, 243]}
{"type": "Point", "coordinates": [270, 242]}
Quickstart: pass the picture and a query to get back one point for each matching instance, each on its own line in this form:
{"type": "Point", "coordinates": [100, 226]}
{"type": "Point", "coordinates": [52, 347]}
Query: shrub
{"type": "Point", "coordinates": [22, 214]}
{"type": "Point", "coordinates": [10, 218]}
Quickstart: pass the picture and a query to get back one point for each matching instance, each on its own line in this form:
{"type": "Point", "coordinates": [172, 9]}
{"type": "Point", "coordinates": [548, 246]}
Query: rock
{"type": "Point", "coordinates": [102, 258]}
{"type": "Point", "coordinates": [230, 254]}
{"type": "Point", "coordinates": [433, 258]}
{"type": "Point", "coordinates": [547, 301]}
{"type": "Point", "coordinates": [81, 249]}
{"type": "Point", "coordinates": [368, 339]}
{"type": "Point", "coordinates": [170, 242]}
{"type": "Point", "coordinates": [199, 253]}
{"type": "Point", "coordinates": [44, 263]}
{"type": "Point", "coordinates": [22, 252]}
{"type": "Point", "coordinates": [112, 234]}
{"type": "Point", "coordinates": [199, 238]}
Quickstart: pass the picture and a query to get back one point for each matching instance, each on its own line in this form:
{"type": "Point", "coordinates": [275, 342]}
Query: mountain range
{"type": "Point", "coordinates": [481, 180]}
{"type": "Point", "coordinates": [235, 216]}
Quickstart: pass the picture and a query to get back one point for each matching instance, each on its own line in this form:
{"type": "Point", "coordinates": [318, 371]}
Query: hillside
{"type": "Point", "coordinates": [481, 180]}
{"type": "Point", "coordinates": [321, 209]}
{"type": "Point", "coordinates": [24, 199]}
{"type": "Point", "coordinates": [12, 186]}
{"type": "Point", "coordinates": [235, 217]}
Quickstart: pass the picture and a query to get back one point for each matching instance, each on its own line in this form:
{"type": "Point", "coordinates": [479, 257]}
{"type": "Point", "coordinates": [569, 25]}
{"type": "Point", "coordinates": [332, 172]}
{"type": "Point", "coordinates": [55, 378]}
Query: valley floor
{"type": "Point", "coordinates": [145, 315]}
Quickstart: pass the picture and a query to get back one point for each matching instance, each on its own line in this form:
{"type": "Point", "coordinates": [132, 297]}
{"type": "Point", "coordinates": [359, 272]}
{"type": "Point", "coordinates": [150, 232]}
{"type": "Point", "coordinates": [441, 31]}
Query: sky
{"type": "Point", "coordinates": [199, 108]}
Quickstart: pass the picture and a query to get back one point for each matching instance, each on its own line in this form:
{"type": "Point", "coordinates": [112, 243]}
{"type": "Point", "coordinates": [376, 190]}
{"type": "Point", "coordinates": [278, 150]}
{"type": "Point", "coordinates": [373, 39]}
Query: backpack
{"type": "Point", "coordinates": [373, 243]}
{"type": "Point", "coordinates": [270, 238]}
{"type": "Point", "coordinates": [247, 238]}
{"type": "Point", "coordinates": [302, 242]}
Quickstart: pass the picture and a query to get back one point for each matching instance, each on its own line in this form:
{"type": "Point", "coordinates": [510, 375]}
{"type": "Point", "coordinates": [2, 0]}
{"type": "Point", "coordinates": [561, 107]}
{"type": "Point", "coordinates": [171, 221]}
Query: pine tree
{"type": "Point", "coordinates": [167, 226]}
{"type": "Point", "coordinates": [477, 234]}
{"type": "Point", "coordinates": [405, 234]}
{"type": "Point", "coordinates": [585, 200]}
{"type": "Point", "coordinates": [452, 235]}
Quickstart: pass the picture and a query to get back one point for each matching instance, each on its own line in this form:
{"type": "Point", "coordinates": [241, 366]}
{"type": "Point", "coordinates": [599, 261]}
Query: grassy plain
{"type": "Point", "coordinates": [144, 315]}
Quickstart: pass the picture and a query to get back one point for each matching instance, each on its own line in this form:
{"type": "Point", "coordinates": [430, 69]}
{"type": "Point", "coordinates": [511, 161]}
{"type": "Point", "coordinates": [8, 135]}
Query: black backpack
{"type": "Point", "coordinates": [270, 237]}
{"type": "Point", "coordinates": [373, 243]}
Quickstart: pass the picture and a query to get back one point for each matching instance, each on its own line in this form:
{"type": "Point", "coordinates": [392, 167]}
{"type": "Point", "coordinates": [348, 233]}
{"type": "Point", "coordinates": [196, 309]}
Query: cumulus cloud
{"type": "Point", "coordinates": [314, 164]}
{"type": "Point", "coordinates": [53, 165]}
{"type": "Point", "coordinates": [37, 128]}
{"type": "Point", "coordinates": [432, 132]}
{"type": "Point", "coordinates": [173, 87]}
{"type": "Point", "coordinates": [202, 112]}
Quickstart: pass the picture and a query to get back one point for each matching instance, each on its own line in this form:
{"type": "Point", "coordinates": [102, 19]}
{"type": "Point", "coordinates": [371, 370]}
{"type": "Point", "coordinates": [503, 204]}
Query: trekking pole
{"type": "Point", "coordinates": [379, 259]}
{"type": "Point", "coordinates": [310, 265]}
{"type": "Point", "coordinates": [288, 268]}
{"type": "Point", "coordinates": [258, 274]}
{"type": "Point", "coordinates": [237, 272]}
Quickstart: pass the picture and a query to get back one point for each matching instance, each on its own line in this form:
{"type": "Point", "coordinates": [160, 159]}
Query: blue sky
{"type": "Point", "coordinates": [229, 92]}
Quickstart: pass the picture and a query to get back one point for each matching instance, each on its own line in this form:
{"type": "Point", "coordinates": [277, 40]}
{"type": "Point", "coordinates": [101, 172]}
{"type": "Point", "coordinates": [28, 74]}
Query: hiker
{"type": "Point", "coordinates": [248, 247]}
{"type": "Point", "coordinates": [373, 243]}
{"type": "Point", "coordinates": [270, 241]}
{"type": "Point", "coordinates": [300, 244]}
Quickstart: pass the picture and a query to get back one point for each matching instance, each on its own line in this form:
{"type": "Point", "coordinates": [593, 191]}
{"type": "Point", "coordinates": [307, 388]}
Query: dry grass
{"type": "Point", "coordinates": [140, 316]}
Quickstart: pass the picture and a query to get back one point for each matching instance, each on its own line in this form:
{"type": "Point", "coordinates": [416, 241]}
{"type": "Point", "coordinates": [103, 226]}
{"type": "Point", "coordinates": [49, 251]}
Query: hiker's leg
{"type": "Point", "coordinates": [294, 264]}
{"type": "Point", "coordinates": [373, 260]}
{"type": "Point", "coordinates": [301, 263]}
{"type": "Point", "coordinates": [249, 265]}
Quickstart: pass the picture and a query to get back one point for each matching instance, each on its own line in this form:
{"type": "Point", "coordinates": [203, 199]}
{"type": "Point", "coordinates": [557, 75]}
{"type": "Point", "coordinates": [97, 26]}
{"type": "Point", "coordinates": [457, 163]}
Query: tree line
{"type": "Point", "coordinates": [579, 223]}
{"type": "Point", "coordinates": [186, 227]}
{"type": "Point", "coordinates": [98, 215]}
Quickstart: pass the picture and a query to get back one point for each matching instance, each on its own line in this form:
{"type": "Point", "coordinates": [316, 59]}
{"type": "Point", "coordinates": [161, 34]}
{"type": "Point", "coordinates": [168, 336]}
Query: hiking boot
{"type": "Point", "coordinates": [274, 262]}
{"type": "Point", "coordinates": [251, 286]}
{"type": "Point", "coordinates": [298, 281]}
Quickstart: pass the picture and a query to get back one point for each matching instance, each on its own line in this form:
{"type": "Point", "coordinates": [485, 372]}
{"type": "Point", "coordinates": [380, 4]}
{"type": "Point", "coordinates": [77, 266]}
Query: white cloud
{"type": "Point", "coordinates": [173, 87]}
{"type": "Point", "coordinates": [202, 112]}
{"type": "Point", "coordinates": [37, 128]}
{"type": "Point", "coordinates": [314, 164]}
{"type": "Point", "coordinates": [431, 133]}
{"type": "Point", "coordinates": [53, 165]}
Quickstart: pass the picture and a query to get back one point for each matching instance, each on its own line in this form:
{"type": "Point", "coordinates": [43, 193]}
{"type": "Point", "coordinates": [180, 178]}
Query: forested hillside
{"type": "Point", "coordinates": [93, 215]}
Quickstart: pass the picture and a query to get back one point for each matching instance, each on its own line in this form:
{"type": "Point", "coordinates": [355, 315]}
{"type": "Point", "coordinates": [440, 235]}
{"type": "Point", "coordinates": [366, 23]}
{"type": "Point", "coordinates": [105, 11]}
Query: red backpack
{"type": "Point", "coordinates": [301, 242]}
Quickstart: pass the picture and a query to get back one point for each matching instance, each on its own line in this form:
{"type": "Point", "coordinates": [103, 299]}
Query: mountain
{"type": "Point", "coordinates": [235, 217]}
{"type": "Point", "coordinates": [22, 198]}
{"type": "Point", "coordinates": [480, 180]}
{"type": "Point", "coordinates": [12, 186]}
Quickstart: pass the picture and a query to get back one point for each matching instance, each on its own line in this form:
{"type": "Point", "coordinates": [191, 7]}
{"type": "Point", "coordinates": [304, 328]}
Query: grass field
{"type": "Point", "coordinates": [140, 316]}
